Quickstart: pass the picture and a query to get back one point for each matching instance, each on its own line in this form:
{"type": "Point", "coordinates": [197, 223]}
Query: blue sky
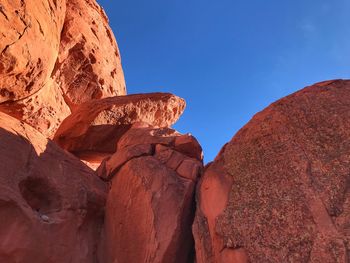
{"type": "Point", "coordinates": [229, 59]}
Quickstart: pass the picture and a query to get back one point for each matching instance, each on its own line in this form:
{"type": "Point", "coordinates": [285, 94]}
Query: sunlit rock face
{"type": "Point", "coordinates": [29, 43]}
{"type": "Point", "coordinates": [279, 191]}
{"type": "Point", "coordinates": [55, 55]}
{"type": "Point", "coordinates": [88, 64]}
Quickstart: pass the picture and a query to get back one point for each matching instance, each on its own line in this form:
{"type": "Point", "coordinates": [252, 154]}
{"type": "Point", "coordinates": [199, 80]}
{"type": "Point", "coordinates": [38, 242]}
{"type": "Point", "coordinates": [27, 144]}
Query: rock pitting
{"type": "Point", "coordinates": [55, 55]}
{"type": "Point", "coordinates": [281, 186]}
{"type": "Point", "coordinates": [278, 192]}
{"type": "Point", "coordinates": [51, 204]}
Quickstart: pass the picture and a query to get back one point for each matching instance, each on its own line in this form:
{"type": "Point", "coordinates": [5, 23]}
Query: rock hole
{"type": "Point", "coordinates": [92, 58]}
{"type": "Point", "coordinates": [40, 195]}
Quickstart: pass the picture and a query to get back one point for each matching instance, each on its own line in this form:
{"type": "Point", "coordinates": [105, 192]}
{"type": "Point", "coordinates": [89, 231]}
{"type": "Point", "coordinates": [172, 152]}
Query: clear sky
{"type": "Point", "coordinates": [229, 58]}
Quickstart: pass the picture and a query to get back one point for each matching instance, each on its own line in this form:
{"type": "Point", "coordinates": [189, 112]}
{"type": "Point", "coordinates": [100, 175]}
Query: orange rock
{"type": "Point", "coordinates": [168, 156]}
{"type": "Point", "coordinates": [112, 164]}
{"type": "Point", "coordinates": [148, 141]}
{"type": "Point", "coordinates": [190, 146]}
{"type": "Point", "coordinates": [88, 66]}
{"type": "Point", "coordinates": [44, 110]}
{"type": "Point", "coordinates": [44, 74]}
{"type": "Point", "coordinates": [29, 43]}
{"type": "Point", "coordinates": [147, 135]}
{"type": "Point", "coordinates": [97, 125]}
{"type": "Point", "coordinates": [51, 205]}
{"type": "Point", "coordinates": [149, 213]}
{"type": "Point", "coordinates": [278, 192]}
{"type": "Point", "coordinates": [150, 207]}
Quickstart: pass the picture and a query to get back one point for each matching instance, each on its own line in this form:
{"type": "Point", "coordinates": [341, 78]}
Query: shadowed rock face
{"type": "Point", "coordinates": [279, 191]}
{"type": "Point", "coordinates": [51, 205]}
{"type": "Point", "coordinates": [150, 207]}
{"type": "Point", "coordinates": [55, 55]}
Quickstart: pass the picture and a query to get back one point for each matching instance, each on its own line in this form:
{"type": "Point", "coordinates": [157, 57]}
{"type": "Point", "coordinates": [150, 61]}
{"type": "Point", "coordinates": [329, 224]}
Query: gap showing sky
{"type": "Point", "coordinates": [229, 59]}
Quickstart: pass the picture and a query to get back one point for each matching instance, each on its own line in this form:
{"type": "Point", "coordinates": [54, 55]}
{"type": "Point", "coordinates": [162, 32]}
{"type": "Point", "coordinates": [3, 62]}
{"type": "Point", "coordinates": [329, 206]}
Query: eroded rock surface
{"type": "Point", "coordinates": [55, 55]}
{"type": "Point", "coordinates": [88, 66]}
{"type": "Point", "coordinates": [29, 43]}
{"type": "Point", "coordinates": [279, 191]}
{"type": "Point", "coordinates": [51, 204]}
{"type": "Point", "coordinates": [97, 125]}
{"type": "Point", "coordinates": [150, 206]}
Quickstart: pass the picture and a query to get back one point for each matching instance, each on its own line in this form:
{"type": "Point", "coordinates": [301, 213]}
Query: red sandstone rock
{"type": "Point", "coordinates": [150, 207]}
{"type": "Point", "coordinates": [43, 73]}
{"type": "Point", "coordinates": [149, 214]}
{"type": "Point", "coordinates": [113, 163]}
{"type": "Point", "coordinates": [29, 43]}
{"type": "Point", "coordinates": [189, 144]}
{"type": "Point", "coordinates": [278, 192]}
{"type": "Point", "coordinates": [88, 65]}
{"type": "Point", "coordinates": [51, 205]}
{"type": "Point", "coordinates": [147, 135]}
{"type": "Point", "coordinates": [147, 141]}
{"type": "Point", "coordinates": [44, 110]}
{"type": "Point", "coordinates": [97, 125]}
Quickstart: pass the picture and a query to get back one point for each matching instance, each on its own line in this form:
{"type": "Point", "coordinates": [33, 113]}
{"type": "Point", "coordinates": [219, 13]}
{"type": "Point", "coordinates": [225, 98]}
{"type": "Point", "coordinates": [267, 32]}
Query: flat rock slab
{"type": "Point", "coordinates": [279, 191]}
{"type": "Point", "coordinates": [97, 125]}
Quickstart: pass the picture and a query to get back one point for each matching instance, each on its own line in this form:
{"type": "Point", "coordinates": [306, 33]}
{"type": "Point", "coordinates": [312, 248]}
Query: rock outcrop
{"type": "Point", "coordinates": [29, 43]}
{"type": "Point", "coordinates": [51, 204]}
{"type": "Point", "coordinates": [95, 127]}
{"type": "Point", "coordinates": [88, 65]}
{"type": "Point", "coordinates": [55, 55]}
{"type": "Point", "coordinates": [150, 207]}
{"type": "Point", "coordinates": [279, 191]}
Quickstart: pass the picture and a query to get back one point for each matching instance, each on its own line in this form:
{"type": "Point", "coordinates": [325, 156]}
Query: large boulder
{"type": "Point", "coordinates": [150, 207]}
{"type": "Point", "coordinates": [53, 56]}
{"type": "Point", "coordinates": [51, 204]}
{"type": "Point", "coordinates": [279, 191]}
{"type": "Point", "coordinates": [96, 126]}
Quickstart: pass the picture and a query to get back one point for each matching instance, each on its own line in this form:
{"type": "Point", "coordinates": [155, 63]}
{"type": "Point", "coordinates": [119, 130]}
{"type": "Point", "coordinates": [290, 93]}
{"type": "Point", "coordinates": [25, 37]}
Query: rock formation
{"type": "Point", "coordinates": [51, 204]}
{"type": "Point", "coordinates": [55, 55]}
{"type": "Point", "coordinates": [96, 126]}
{"type": "Point", "coordinates": [279, 191]}
{"type": "Point", "coordinates": [29, 43]}
{"type": "Point", "coordinates": [150, 180]}
{"type": "Point", "coordinates": [88, 64]}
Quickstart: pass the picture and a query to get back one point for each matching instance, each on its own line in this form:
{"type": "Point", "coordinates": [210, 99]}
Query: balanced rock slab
{"type": "Point", "coordinates": [97, 125]}
{"type": "Point", "coordinates": [51, 204]}
{"type": "Point", "coordinates": [279, 191]}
